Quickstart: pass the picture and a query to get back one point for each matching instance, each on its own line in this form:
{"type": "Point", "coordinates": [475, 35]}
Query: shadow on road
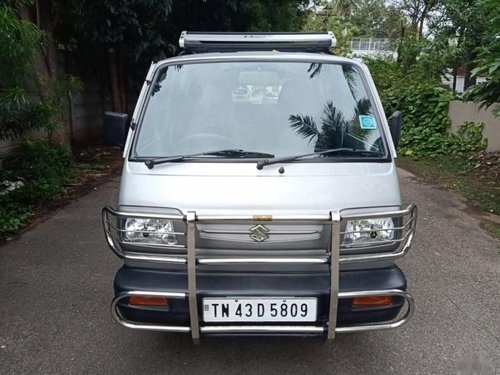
{"type": "Point", "coordinates": [258, 355]}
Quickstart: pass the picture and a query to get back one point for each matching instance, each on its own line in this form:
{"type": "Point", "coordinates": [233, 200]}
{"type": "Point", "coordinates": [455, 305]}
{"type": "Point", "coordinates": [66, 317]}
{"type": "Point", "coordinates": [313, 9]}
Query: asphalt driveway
{"type": "Point", "coordinates": [56, 286]}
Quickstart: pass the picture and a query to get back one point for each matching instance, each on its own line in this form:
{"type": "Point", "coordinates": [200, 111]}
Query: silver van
{"type": "Point", "coordinates": [259, 193]}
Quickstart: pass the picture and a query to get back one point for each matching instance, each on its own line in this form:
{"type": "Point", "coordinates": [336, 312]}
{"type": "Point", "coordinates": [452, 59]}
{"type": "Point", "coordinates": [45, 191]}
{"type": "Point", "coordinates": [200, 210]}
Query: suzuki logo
{"type": "Point", "coordinates": [259, 233]}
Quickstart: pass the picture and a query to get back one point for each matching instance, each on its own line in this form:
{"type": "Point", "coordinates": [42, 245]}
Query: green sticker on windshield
{"type": "Point", "coordinates": [367, 122]}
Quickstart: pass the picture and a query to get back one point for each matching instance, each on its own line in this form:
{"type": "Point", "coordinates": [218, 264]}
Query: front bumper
{"type": "Point", "coordinates": [314, 283]}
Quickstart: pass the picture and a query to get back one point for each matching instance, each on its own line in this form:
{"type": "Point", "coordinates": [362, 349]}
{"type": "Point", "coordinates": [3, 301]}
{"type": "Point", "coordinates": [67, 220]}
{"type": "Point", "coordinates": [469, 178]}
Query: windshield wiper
{"type": "Point", "coordinates": [228, 153]}
{"type": "Point", "coordinates": [352, 151]}
{"type": "Point", "coordinates": [241, 153]}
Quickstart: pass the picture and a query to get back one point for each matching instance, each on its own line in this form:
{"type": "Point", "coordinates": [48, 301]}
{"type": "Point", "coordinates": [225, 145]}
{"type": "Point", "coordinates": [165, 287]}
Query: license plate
{"type": "Point", "coordinates": [259, 309]}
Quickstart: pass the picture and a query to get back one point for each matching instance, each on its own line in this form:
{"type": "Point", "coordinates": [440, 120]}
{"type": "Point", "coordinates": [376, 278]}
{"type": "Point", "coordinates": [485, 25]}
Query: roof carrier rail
{"type": "Point", "coordinates": [227, 41]}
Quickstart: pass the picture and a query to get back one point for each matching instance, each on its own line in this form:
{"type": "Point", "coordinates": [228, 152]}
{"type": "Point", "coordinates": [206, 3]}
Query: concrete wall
{"type": "Point", "coordinates": [87, 113]}
{"type": "Point", "coordinates": [9, 145]}
{"type": "Point", "coordinates": [83, 122]}
{"type": "Point", "coordinates": [6, 146]}
{"type": "Point", "coordinates": [460, 112]}
{"type": "Point", "coordinates": [83, 117]}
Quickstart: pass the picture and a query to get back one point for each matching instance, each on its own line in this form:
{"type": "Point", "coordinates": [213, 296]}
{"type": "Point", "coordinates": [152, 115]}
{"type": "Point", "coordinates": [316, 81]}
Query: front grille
{"type": "Point", "coordinates": [273, 233]}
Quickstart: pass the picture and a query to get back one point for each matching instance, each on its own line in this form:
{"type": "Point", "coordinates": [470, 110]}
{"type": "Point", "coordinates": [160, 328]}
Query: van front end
{"type": "Point", "coordinates": [343, 287]}
{"type": "Point", "coordinates": [259, 194]}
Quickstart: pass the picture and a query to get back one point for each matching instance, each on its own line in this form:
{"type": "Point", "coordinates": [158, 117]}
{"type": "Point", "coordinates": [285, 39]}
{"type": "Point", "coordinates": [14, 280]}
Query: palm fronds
{"type": "Point", "coordinates": [363, 107]}
{"type": "Point", "coordinates": [333, 127]}
{"type": "Point", "coordinates": [304, 126]}
{"type": "Point", "coordinates": [314, 68]}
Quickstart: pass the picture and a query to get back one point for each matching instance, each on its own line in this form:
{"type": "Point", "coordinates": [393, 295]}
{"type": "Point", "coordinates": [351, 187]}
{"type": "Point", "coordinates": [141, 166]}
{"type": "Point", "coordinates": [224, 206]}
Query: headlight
{"type": "Point", "coordinates": [158, 231]}
{"type": "Point", "coordinates": [368, 231]}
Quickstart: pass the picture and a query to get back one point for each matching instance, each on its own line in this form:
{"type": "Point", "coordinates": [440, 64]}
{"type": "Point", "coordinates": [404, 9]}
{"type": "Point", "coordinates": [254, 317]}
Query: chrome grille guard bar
{"type": "Point", "coordinates": [113, 234]}
{"type": "Point", "coordinates": [398, 322]}
{"type": "Point", "coordinates": [333, 256]}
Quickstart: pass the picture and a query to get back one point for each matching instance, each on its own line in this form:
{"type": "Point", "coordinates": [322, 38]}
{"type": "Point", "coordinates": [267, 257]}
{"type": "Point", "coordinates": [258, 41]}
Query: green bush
{"type": "Point", "coordinates": [34, 173]}
{"type": "Point", "coordinates": [18, 121]}
{"type": "Point", "coordinates": [13, 217]}
{"type": "Point", "coordinates": [424, 103]}
{"type": "Point", "coordinates": [44, 168]}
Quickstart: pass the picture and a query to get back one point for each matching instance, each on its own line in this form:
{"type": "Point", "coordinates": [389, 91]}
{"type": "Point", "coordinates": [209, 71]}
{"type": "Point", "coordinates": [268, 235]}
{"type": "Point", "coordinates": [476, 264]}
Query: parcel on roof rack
{"type": "Point", "coordinates": [210, 42]}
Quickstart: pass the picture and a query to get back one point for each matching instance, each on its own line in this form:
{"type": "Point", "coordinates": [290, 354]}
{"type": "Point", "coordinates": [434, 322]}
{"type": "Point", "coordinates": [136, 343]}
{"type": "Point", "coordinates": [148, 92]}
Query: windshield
{"type": "Point", "coordinates": [278, 108]}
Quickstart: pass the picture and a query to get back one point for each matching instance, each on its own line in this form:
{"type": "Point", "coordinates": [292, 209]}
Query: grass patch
{"type": "Point", "coordinates": [38, 178]}
{"type": "Point", "coordinates": [491, 227]}
{"type": "Point", "coordinates": [475, 177]}
{"type": "Point", "coordinates": [34, 173]}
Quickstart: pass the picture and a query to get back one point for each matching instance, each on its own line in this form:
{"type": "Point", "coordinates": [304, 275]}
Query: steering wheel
{"type": "Point", "coordinates": [214, 141]}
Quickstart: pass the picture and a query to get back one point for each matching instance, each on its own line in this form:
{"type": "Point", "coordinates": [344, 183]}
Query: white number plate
{"type": "Point", "coordinates": [259, 309]}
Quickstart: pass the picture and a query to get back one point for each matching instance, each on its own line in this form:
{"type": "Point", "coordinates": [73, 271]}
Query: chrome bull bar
{"type": "Point", "coordinates": [334, 219]}
{"type": "Point", "coordinates": [398, 322]}
{"type": "Point", "coordinates": [335, 256]}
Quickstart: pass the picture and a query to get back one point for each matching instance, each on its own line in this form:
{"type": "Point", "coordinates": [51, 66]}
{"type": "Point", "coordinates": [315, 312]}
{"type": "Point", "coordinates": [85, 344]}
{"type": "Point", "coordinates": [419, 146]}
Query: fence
{"type": "Point", "coordinates": [370, 44]}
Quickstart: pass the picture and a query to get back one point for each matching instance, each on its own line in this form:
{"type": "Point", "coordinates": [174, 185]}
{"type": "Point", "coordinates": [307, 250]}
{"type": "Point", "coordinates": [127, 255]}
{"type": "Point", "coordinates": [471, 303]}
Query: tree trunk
{"type": "Point", "coordinates": [47, 21]}
{"type": "Point", "coordinates": [122, 81]}
{"type": "Point", "coordinates": [46, 67]}
{"type": "Point", "coordinates": [115, 82]}
{"type": "Point", "coordinates": [414, 16]}
{"type": "Point", "coordinates": [455, 72]}
{"type": "Point", "coordinates": [468, 79]}
{"type": "Point", "coordinates": [102, 87]}
{"type": "Point", "coordinates": [421, 22]}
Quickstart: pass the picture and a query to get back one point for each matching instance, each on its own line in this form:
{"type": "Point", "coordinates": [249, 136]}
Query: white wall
{"type": "Point", "coordinates": [460, 112]}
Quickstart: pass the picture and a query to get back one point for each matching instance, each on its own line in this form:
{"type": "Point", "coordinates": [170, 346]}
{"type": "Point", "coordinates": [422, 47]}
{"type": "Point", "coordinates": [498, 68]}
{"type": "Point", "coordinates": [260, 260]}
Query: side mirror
{"type": "Point", "coordinates": [395, 123]}
{"type": "Point", "coordinates": [115, 128]}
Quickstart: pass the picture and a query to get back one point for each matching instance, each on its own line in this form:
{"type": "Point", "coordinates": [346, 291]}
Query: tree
{"type": "Point", "coordinates": [124, 36]}
{"type": "Point", "coordinates": [418, 13]}
{"type": "Point", "coordinates": [275, 15]}
{"type": "Point", "coordinates": [345, 8]}
{"type": "Point", "coordinates": [464, 22]}
{"type": "Point", "coordinates": [114, 34]}
{"type": "Point", "coordinates": [488, 63]}
{"type": "Point", "coordinates": [376, 18]}
{"type": "Point", "coordinates": [46, 72]}
{"type": "Point", "coordinates": [325, 16]}
{"type": "Point", "coordinates": [21, 42]}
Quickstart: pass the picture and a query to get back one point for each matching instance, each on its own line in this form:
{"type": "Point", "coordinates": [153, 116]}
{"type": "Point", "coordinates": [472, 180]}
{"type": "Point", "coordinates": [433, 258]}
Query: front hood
{"type": "Point", "coordinates": [239, 188]}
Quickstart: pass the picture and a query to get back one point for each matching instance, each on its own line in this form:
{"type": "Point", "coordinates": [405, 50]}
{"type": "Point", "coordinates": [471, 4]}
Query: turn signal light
{"type": "Point", "coordinates": [372, 301]}
{"type": "Point", "coordinates": [147, 301]}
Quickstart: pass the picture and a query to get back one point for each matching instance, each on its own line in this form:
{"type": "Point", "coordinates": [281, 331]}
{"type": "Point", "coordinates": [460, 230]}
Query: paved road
{"type": "Point", "coordinates": [56, 285]}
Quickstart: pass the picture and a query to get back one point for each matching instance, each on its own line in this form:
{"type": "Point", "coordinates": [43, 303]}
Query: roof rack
{"type": "Point", "coordinates": [228, 41]}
